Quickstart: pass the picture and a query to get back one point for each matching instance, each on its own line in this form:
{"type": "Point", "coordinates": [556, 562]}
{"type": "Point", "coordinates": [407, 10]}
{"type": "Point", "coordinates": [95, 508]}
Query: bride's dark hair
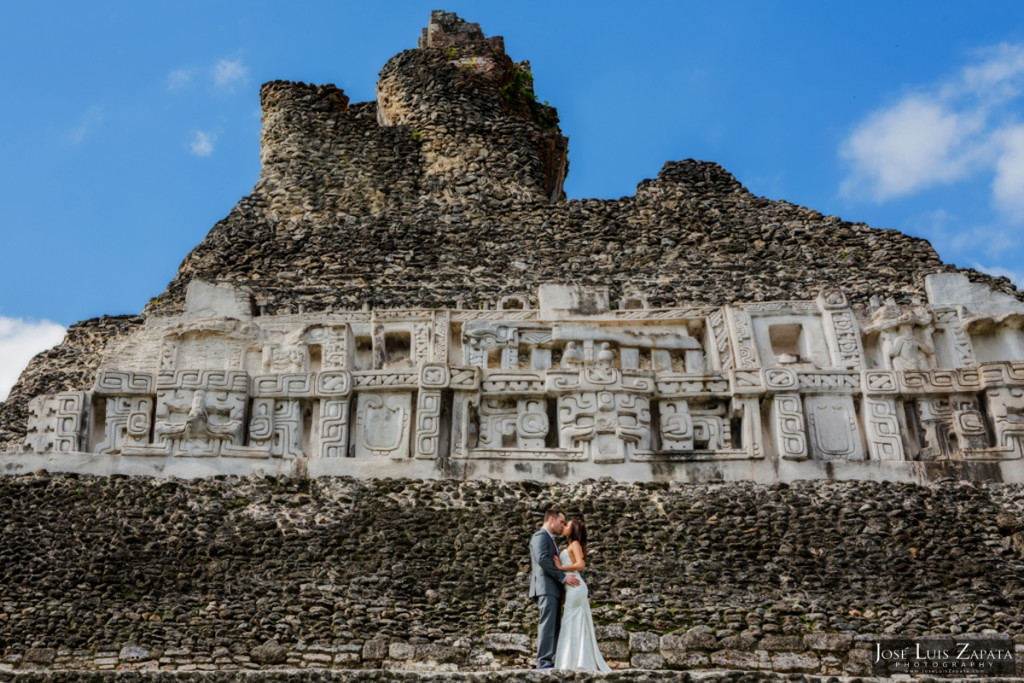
{"type": "Point", "coordinates": [578, 532]}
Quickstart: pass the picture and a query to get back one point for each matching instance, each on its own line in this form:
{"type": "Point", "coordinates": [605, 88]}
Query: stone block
{"type": "Point", "coordinates": [858, 663]}
{"type": "Point", "coordinates": [672, 641]}
{"type": "Point", "coordinates": [796, 662]}
{"type": "Point", "coordinates": [317, 657]}
{"type": "Point", "coordinates": [828, 642]}
{"type": "Point", "coordinates": [680, 659]}
{"type": "Point", "coordinates": [644, 641]}
{"type": "Point", "coordinates": [441, 654]}
{"type": "Point", "coordinates": [401, 651]}
{"type": "Point", "coordinates": [270, 652]}
{"type": "Point", "coordinates": [574, 298]}
{"type": "Point", "coordinates": [735, 659]}
{"type": "Point", "coordinates": [374, 650]}
{"type": "Point", "coordinates": [40, 655]}
{"type": "Point", "coordinates": [647, 660]}
{"type": "Point", "coordinates": [319, 647]}
{"type": "Point", "coordinates": [133, 653]}
{"type": "Point", "coordinates": [739, 642]}
{"type": "Point", "coordinates": [956, 289]}
{"type": "Point", "coordinates": [831, 665]}
{"type": "Point", "coordinates": [206, 300]}
{"type": "Point", "coordinates": [700, 638]}
{"type": "Point", "coordinates": [508, 642]}
{"type": "Point", "coordinates": [776, 643]}
{"type": "Point", "coordinates": [347, 660]}
{"type": "Point", "coordinates": [611, 632]}
{"type": "Point", "coordinates": [614, 649]}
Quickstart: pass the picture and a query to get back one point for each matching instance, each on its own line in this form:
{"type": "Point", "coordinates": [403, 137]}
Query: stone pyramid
{"type": "Point", "coordinates": [423, 229]}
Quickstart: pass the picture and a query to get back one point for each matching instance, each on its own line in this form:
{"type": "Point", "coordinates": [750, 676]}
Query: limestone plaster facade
{"type": "Point", "coordinates": [574, 389]}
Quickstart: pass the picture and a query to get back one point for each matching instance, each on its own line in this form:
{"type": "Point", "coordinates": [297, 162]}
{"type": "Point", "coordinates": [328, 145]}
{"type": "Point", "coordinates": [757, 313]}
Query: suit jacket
{"type": "Point", "coordinates": [545, 577]}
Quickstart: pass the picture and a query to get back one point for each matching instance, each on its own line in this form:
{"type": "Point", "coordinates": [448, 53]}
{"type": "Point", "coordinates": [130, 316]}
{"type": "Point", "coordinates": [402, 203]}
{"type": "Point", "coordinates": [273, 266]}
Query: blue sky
{"type": "Point", "coordinates": [130, 128]}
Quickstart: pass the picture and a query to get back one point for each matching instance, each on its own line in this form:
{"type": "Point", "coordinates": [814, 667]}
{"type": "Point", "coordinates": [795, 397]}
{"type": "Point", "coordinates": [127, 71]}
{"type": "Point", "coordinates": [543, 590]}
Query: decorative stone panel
{"type": "Point", "coordinates": [615, 391]}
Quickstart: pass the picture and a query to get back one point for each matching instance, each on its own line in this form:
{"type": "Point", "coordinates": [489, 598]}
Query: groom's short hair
{"type": "Point", "coordinates": [553, 512]}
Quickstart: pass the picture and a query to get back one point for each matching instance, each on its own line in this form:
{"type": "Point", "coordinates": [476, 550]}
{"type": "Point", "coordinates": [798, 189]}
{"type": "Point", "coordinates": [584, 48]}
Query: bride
{"type": "Point", "coordinates": [577, 644]}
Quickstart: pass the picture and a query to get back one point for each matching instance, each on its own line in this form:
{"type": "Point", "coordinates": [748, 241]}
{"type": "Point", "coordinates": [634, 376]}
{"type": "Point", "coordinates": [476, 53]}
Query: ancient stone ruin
{"type": "Point", "coordinates": [569, 390]}
{"type": "Point", "coordinates": [406, 293]}
{"type": "Point", "coordinates": [789, 435]}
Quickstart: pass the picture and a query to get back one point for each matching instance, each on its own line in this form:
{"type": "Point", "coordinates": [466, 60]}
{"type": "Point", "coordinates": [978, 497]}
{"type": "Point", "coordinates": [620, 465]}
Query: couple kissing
{"type": "Point", "coordinates": [567, 641]}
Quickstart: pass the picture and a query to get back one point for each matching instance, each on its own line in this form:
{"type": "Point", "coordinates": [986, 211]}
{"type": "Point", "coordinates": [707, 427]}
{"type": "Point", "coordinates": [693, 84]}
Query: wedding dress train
{"type": "Point", "coordinates": [577, 643]}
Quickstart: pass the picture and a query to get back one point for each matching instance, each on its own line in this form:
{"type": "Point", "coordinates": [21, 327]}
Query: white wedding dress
{"type": "Point", "coordinates": [577, 643]}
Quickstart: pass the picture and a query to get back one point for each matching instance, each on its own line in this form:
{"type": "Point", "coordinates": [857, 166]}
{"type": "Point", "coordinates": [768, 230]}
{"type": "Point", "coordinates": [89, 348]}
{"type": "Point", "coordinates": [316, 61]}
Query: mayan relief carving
{"type": "Point", "coordinates": [797, 382]}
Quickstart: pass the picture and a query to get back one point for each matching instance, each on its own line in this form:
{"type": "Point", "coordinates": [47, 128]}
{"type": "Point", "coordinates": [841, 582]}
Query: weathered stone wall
{"type": "Point", "coordinates": [692, 236]}
{"type": "Point", "coordinates": [320, 676]}
{"type": "Point", "coordinates": [399, 574]}
{"type": "Point", "coordinates": [447, 190]}
{"type": "Point", "coordinates": [313, 144]}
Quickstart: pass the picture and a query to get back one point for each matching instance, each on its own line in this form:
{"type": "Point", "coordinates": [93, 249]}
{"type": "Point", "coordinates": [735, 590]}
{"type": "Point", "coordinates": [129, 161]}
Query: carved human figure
{"type": "Point", "coordinates": [197, 412]}
{"type": "Point", "coordinates": [200, 426]}
{"type": "Point", "coordinates": [605, 355]}
{"type": "Point", "coordinates": [291, 359]}
{"type": "Point", "coordinates": [571, 356]}
{"type": "Point", "coordinates": [197, 423]}
{"type": "Point", "coordinates": [905, 351]}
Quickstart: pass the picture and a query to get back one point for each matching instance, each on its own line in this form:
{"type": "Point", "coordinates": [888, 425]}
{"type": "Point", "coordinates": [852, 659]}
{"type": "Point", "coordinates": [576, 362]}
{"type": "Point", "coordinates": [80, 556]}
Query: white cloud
{"type": "Point", "coordinates": [20, 340]}
{"type": "Point", "coordinates": [226, 72]}
{"type": "Point", "coordinates": [998, 77]}
{"type": "Point", "coordinates": [914, 144]}
{"type": "Point", "coordinates": [92, 117]}
{"type": "Point", "coordinates": [179, 78]}
{"type": "Point", "coordinates": [202, 143]}
{"type": "Point", "coordinates": [944, 133]}
{"type": "Point", "coordinates": [1008, 185]}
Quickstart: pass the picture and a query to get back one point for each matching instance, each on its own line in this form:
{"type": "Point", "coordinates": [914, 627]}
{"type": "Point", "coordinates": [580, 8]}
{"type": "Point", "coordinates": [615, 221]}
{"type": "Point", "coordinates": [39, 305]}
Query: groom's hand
{"type": "Point", "coordinates": [572, 581]}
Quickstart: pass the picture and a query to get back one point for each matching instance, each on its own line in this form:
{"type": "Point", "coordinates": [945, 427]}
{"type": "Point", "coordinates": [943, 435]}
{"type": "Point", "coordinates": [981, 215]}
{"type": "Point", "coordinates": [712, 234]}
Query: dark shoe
{"type": "Point", "coordinates": [539, 668]}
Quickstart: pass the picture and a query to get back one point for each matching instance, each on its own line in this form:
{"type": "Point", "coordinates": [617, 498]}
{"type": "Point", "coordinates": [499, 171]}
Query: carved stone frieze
{"type": "Point", "coordinates": [832, 427]}
{"type": "Point", "coordinates": [56, 423]}
{"type": "Point", "coordinates": [382, 425]}
{"type": "Point", "coordinates": [334, 416]}
{"type": "Point", "coordinates": [609, 388]}
{"type": "Point", "coordinates": [881, 428]}
{"type": "Point", "coordinates": [789, 427]}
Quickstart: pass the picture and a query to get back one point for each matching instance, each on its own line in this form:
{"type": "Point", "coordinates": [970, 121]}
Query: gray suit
{"type": "Point", "coordinates": [546, 587]}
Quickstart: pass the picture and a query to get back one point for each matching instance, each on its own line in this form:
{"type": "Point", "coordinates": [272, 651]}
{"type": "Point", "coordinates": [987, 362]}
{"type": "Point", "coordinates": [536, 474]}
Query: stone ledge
{"type": "Point", "coordinates": [637, 675]}
{"type": "Point", "coordinates": [502, 653]}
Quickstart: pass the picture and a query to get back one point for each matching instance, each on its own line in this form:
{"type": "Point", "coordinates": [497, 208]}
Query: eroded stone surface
{"type": "Point", "coordinates": [390, 573]}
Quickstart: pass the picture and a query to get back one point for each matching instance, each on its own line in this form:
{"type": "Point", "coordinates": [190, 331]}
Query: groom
{"type": "Point", "coordinates": [546, 585]}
